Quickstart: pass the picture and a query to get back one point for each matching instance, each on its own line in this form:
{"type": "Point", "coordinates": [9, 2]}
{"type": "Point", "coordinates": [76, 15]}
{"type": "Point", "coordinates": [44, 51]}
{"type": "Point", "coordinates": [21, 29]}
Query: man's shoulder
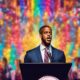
{"type": "Point", "coordinates": [58, 50]}
{"type": "Point", "coordinates": [33, 50]}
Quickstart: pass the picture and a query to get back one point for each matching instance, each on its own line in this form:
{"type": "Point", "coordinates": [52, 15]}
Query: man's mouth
{"type": "Point", "coordinates": [49, 39]}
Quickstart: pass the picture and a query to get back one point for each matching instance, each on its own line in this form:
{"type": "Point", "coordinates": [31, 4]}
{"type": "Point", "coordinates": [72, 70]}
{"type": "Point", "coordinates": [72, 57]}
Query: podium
{"type": "Point", "coordinates": [32, 71]}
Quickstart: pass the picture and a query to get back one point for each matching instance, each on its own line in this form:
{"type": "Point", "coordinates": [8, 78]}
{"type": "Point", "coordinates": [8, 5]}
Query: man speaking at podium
{"type": "Point", "coordinates": [45, 52]}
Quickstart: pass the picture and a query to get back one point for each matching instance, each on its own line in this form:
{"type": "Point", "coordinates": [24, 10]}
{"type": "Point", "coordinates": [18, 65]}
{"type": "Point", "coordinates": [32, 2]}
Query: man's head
{"type": "Point", "coordinates": [46, 35]}
{"type": "Point", "coordinates": [5, 62]}
{"type": "Point", "coordinates": [17, 62]}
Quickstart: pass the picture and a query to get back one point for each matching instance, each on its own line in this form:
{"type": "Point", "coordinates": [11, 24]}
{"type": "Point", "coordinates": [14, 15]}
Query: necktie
{"type": "Point", "coordinates": [46, 56]}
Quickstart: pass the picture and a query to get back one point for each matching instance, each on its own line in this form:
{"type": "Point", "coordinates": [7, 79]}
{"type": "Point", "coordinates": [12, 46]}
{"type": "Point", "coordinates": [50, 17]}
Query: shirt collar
{"type": "Point", "coordinates": [42, 47]}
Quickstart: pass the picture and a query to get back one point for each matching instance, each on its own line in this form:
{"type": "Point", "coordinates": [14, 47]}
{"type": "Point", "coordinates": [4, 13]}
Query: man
{"type": "Point", "coordinates": [6, 70]}
{"type": "Point", "coordinates": [16, 74]}
{"type": "Point", "coordinates": [1, 71]}
{"type": "Point", "coordinates": [74, 73]}
{"type": "Point", "coordinates": [45, 53]}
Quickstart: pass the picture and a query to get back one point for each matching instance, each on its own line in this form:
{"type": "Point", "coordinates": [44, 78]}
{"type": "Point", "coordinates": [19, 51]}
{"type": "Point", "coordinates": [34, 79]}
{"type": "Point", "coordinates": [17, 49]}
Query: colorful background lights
{"type": "Point", "coordinates": [20, 21]}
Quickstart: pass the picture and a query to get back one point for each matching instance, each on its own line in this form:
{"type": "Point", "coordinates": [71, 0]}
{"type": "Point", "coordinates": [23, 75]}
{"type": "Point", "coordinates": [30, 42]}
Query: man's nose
{"type": "Point", "coordinates": [49, 35]}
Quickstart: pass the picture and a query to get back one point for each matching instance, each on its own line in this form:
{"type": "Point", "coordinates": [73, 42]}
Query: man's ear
{"type": "Point", "coordinates": [40, 35]}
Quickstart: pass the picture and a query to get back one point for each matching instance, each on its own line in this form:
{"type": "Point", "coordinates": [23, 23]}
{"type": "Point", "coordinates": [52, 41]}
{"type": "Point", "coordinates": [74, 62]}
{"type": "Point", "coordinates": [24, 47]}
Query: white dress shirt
{"type": "Point", "coordinates": [42, 49]}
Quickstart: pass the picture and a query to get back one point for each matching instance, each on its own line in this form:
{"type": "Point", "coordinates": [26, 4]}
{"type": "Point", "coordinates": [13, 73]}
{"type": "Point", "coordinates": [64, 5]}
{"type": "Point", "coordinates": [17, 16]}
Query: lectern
{"type": "Point", "coordinates": [32, 71]}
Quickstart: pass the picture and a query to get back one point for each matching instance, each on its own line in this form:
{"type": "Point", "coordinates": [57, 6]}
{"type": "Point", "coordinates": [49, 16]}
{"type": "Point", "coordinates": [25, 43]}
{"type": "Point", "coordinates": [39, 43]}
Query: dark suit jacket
{"type": "Point", "coordinates": [34, 56]}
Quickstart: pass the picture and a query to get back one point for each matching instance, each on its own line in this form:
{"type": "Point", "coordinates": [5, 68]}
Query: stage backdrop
{"type": "Point", "coordinates": [20, 21]}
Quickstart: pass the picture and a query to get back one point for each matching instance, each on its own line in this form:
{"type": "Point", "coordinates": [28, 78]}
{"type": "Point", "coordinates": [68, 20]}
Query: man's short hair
{"type": "Point", "coordinates": [41, 28]}
{"type": "Point", "coordinates": [4, 59]}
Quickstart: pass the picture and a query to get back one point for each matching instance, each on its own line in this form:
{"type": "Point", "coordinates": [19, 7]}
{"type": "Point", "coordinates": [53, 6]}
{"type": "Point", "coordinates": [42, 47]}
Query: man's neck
{"type": "Point", "coordinates": [46, 45]}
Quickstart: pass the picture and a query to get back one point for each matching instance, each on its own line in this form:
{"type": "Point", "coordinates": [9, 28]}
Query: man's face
{"type": "Point", "coordinates": [46, 36]}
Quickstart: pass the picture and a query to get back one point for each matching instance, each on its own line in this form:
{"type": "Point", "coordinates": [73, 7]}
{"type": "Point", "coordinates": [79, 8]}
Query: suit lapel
{"type": "Point", "coordinates": [52, 49]}
{"type": "Point", "coordinates": [53, 54]}
{"type": "Point", "coordinates": [39, 57]}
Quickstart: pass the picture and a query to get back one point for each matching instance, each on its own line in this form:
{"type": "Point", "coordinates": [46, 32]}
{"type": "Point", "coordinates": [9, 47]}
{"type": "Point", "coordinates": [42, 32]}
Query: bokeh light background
{"type": "Point", "coordinates": [20, 21]}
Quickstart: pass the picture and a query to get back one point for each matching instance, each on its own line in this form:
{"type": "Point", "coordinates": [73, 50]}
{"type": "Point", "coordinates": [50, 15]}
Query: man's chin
{"type": "Point", "coordinates": [48, 43]}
